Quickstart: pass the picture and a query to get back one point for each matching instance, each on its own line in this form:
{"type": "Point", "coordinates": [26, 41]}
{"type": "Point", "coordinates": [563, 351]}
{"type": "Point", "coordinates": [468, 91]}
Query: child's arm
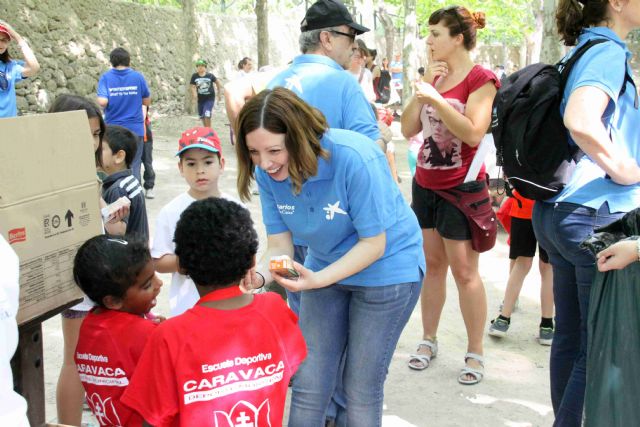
{"type": "Point", "coordinates": [219, 89]}
{"type": "Point", "coordinates": [167, 263]}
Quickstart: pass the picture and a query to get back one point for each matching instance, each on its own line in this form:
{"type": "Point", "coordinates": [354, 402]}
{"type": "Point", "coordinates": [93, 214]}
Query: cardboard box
{"type": "Point", "coordinates": [49, 204]}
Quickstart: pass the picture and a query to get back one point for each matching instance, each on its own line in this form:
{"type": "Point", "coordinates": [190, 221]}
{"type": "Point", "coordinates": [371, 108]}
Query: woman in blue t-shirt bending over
{"type": "Point", "coordinates": [604, 124]}
{"type": "Point", "coordinates": [12, 71]}
{"type": "Point", "coordinates": [332, 190]}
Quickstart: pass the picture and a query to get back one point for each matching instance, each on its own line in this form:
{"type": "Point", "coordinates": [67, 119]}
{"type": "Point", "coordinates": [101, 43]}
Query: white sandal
{"type": "Point", "coordinates": [423, 359]}
{"type": "Point", "coordinates": [476, 373]}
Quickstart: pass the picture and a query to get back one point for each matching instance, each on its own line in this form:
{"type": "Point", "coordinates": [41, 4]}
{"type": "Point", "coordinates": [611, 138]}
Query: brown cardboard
{"type": "Point", "coordinates": [49, 204]}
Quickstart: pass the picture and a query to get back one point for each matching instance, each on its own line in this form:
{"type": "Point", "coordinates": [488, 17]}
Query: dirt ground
{"type": "Point", "coordinates": [515, 391]}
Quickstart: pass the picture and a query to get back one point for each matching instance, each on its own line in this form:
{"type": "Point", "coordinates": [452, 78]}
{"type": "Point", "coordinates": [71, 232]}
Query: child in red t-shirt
{"type": "Point", "coordinates": [118, 275]}
{"type": "Point", "coordinates": [228, 360]}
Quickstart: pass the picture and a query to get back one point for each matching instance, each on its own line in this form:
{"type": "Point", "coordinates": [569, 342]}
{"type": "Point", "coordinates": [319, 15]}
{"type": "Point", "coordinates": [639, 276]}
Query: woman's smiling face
{"type": "Point", "coordinates": [269, 153]}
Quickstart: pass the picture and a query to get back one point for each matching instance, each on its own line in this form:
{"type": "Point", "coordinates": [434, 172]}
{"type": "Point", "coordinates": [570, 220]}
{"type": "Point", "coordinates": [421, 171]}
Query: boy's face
{"type": "Point", "coordinates": [201, 169]}
{"type": "Point", "coordinates": [201, 69]}
{"type": "Point", "coordinates": [112, 162]}
{"type": "Point", "coordinates": [140, 298]}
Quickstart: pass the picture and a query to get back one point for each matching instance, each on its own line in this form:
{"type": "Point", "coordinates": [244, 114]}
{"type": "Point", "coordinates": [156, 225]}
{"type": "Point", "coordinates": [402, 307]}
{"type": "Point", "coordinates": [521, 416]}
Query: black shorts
{"type": "Point", "coordinates": [523, 240]}
{"type": "Point", "coordinates": [433, 211]}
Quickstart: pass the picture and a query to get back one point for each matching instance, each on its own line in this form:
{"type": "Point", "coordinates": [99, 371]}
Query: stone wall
{"type": "Point", "coordinates": [72, 41]}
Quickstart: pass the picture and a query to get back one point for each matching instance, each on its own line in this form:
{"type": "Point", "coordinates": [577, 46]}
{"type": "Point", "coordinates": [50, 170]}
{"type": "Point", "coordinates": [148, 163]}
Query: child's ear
{"type": "Point", "coordinates": [180, 167]}
{"type": "Point", "coordinates": [221, 164]}
{"type": "Point", "coordinates": [112, 303]}
{"type": "Point", "coordinates": [120, 156]}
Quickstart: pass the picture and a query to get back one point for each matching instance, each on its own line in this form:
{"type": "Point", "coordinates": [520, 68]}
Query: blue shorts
{"type": "Point", "coordinates": [205, 108]}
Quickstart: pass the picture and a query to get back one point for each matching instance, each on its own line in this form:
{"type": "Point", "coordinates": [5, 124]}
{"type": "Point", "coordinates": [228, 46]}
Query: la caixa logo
{"type": "Point", "coordinates": [17, 235]}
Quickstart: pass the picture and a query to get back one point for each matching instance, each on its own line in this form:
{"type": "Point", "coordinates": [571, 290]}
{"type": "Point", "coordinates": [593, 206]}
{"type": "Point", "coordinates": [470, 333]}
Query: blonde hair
{"type": "Point", "coordinates": [281, 111]}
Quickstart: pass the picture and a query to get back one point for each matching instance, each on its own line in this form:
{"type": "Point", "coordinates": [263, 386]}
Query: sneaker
{"type": "Point", "coordinates": [149, 194]}
{"type": "Point", "coordinates": [546, 336]}
{"type": "Point", "coordinates": [498, 328]}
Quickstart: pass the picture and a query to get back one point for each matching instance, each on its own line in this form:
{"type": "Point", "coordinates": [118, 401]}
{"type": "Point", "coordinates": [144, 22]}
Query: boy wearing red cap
{"type": "Point", "coordinates": [201, 164]}
{"type": "Point", "coordinates": [12, 71]}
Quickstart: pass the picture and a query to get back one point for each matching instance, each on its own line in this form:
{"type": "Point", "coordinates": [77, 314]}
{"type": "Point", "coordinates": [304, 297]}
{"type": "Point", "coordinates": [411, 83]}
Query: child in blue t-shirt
{"type": "Point", "coordinates": [119, 146]}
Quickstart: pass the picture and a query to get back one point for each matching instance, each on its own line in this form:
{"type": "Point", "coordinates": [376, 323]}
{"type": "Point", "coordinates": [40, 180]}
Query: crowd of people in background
{"type": "Point", "coordinates": [312, 140]}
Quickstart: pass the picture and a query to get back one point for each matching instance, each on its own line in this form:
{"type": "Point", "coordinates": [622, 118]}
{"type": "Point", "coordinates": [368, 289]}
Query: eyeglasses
{"type": "Point", "coordinates": [351, 36]}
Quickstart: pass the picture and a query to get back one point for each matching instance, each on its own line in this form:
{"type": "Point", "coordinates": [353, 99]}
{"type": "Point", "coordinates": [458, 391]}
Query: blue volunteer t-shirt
{"type": "Point", "coordinates": [325, 85]}
{"type": "Point", "coordinates": [125, 90]}
{"type": "Point", "coordinates": [12, 72]}
{"type": "Point", "coordinates": [603, 66]}
{"type": "Point", "coordinates": [353, 196]}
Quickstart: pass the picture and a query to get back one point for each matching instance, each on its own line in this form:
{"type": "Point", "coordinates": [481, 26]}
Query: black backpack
{"type": "Point", "coordinates": [384, 87]}
{"type": "Point", "coordinates": [532, 143]}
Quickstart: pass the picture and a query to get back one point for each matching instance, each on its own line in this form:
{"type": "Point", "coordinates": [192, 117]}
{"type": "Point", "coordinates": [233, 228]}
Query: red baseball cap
{"type": "Point", "coordinates": [3, 29]}
{"type": "Point", "coordinates": [200, 137]}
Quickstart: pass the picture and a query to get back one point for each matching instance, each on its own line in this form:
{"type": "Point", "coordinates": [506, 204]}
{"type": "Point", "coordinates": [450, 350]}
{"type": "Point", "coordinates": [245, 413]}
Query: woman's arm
{"type": "Point", "coordinates": [410, 123]}
{"type": "Point", "coordinates": [469, 127]}
{"type": "Point", "coordinates": [583, 119]}
{"type": "Point", "coordinates": [364, 253]}
{"type": "Point", "coordinates": [31, 66]}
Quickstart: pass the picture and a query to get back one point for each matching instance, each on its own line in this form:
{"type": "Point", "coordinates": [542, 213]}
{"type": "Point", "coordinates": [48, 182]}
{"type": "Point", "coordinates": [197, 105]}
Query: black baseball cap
{"type": "Point", "coordinates": [329, 13]}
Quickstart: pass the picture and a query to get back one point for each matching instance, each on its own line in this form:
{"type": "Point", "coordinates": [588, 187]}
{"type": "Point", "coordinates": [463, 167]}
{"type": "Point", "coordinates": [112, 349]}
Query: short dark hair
{"type": "Point", "coordinates": [215, 242]}
{"type": "Point", "coordinates": [69, 102]}
{"type": "Point", "coordinates": [109, 265]}
{"type": "Point", "coordinates": [119, 57]}
{"type": "Point", "coordinates": [120, 138]}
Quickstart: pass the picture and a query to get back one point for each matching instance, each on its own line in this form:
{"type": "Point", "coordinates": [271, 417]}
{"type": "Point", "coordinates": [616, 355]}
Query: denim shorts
{"type": "Point", "coordinates": [433, 211]}
{"type": "Point", "coordinates": [205, 108]}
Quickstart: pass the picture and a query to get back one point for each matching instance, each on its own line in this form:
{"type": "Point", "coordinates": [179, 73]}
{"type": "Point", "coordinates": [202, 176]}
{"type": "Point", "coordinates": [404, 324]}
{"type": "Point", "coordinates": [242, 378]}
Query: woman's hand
{"type": "Point", "coordinates": [618, 256]}
{"type": "Point", "coordinates": [307, 279]}
{"type": "Point", "coordinates": [426, 93]}
{"type": "Point", "coordinates": [435, 69]}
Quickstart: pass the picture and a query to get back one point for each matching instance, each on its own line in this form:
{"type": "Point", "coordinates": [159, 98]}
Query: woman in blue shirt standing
{"type": "Point", "coordinates": [333, 190]}
{"type": "Point", "coordinates": [12, 71]}
{"type": "Point", "coordinates": [603, 121]}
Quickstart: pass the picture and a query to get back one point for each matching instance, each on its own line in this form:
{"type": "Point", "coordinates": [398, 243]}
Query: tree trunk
{"type": "Point", "coordinates": [551, 51]}
{"type": "Point", "coordinates": [189, 29]}
{"type": "Point", "coordinates": [262, 16]}
{"type": "Point", "coordinates": [408, 52]}
{"type": "Point", "coordinates": [389, 33]}
{"type": "Point", "coordinates": [534, 39]}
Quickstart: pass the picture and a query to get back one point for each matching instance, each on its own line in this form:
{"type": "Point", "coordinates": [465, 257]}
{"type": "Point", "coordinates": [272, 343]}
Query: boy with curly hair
{"type": "Point", "coordinates": [228, 359]}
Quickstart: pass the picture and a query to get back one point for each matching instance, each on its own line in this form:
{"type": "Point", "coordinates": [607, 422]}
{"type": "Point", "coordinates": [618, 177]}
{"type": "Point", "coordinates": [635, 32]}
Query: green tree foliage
{"type": "Point", "coordinates": [508, 21]}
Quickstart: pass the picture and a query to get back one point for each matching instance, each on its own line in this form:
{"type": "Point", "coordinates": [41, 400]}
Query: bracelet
{"type": "Point", "coordinates": [263, 280]}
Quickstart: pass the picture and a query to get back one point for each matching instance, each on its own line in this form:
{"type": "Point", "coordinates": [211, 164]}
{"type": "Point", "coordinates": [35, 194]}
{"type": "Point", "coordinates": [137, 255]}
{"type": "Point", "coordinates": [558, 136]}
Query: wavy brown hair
{"type": "Point", "coordinates": [459, 20]}
{"type": "Point", "coordinates": [281, 111]}
{"type": "Point", "coordinates": [572, 16]}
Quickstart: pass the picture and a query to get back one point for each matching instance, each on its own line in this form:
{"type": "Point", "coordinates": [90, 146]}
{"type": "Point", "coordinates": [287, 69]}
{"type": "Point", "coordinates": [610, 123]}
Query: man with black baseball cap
{"type": "Point", "coordinates": [318, 76]}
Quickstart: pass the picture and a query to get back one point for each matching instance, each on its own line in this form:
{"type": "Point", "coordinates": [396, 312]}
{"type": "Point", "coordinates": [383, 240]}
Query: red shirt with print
{"type": "Point", "coordinates": [224, 368]}
{"type": "Point", "coordinates": [109, 346]}
{"type": "Point", "coordinates": [443, 160]}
